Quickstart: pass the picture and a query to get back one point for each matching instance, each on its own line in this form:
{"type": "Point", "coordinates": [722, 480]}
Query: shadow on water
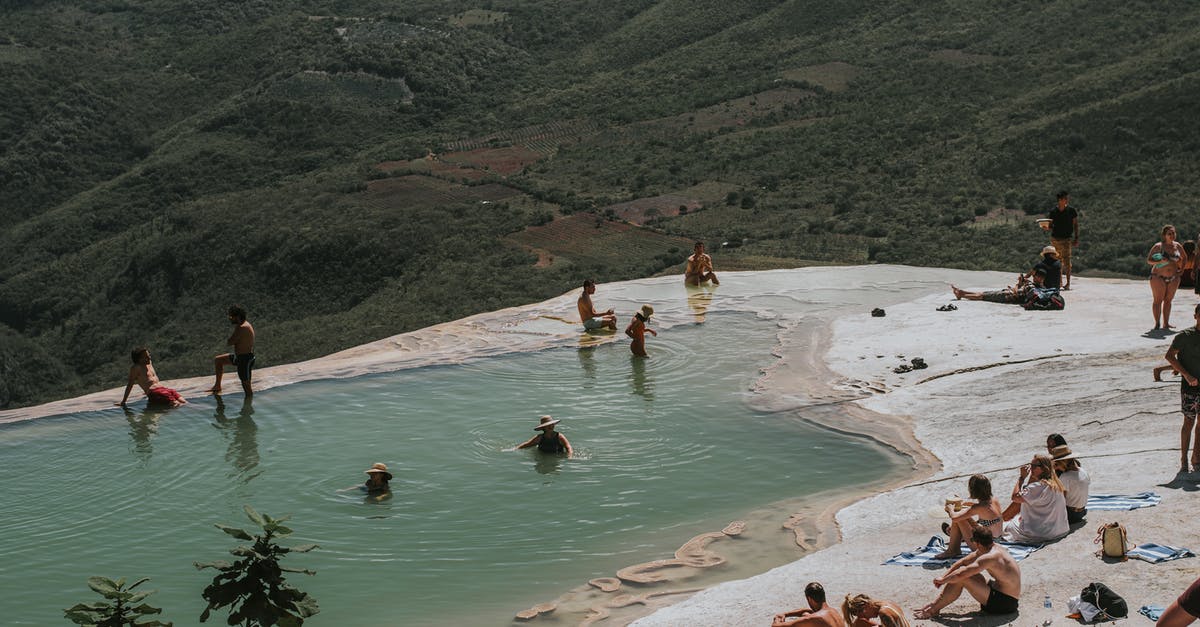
{"type": "Point", "coordinates": [242, 433]}
{"type": "Point", "coordinates": [587, 362]}
{"type": "Point", "coordinates": [642, 385]}
{"type": "Point", "coordinates": [699, 298]}
{"type": "Point", "coordinates": [142, 429]}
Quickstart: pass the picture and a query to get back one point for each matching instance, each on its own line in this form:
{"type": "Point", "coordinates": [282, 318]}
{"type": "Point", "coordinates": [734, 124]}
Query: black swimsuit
{"type": "Point", "coordinates": [546, 445]}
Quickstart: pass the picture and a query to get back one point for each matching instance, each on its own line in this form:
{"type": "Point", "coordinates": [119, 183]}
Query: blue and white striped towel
{"type": "Point", "coordinates": [1097, 502]}
{"type": "Point", "coordinates": [1156, 553]}
{"type": "Point", "coordinates": [924, 555]}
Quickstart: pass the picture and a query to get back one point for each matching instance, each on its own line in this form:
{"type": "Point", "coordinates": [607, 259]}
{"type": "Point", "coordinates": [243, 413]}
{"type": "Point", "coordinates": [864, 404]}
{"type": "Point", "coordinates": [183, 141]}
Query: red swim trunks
{"type": "Point", "coordinates": [160, 395]}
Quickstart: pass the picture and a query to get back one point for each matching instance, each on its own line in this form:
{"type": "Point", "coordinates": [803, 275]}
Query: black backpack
{"type": "Point", "coordinates": [1044, 299]}
{"type": "Point", "coordinates": [1111, 605]}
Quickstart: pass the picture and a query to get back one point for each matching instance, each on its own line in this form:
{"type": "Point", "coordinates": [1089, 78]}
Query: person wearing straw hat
{"type": "Point", "coordinates": [637, 330]}
{"type": "Point", "coordinates": [377, 478]}
{"type": "Point", "coordinates": [1050, 264]}
{"type": "Point", "coordinates": [548, 440]}
{"type": "Point", "coordinates": [1076, 481]}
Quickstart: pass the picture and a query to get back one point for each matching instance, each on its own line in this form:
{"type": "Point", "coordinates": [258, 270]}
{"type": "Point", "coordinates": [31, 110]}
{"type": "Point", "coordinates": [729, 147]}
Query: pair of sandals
{"type": "Point", "coordinates": [948, 307]}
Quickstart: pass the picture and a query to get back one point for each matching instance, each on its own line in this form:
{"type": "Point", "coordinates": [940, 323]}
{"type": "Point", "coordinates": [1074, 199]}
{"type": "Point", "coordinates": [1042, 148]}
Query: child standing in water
{"type": "Point", "coordinates": [142, 373]}
{"type": "Point", "coordinates": [637, 330]}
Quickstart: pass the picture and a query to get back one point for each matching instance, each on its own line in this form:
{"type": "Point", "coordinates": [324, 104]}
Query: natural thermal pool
{"type": "Point", "coordinates": [666, 448]}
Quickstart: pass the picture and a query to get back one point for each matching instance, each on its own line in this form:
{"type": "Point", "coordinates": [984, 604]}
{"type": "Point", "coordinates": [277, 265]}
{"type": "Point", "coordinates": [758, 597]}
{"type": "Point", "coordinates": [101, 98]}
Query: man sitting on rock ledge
{"type": "Point", "coordinates": [998, 596]}
{"type": "Point", "coordinates": [817, 613]}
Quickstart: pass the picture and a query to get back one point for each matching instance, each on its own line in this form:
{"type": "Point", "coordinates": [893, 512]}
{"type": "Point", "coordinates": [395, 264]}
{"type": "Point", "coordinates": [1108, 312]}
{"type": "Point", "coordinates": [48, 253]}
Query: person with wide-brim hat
{"type": "Point", "coordinates": [1075, 480]}
{"type": "Point", "coordinates": [377, 477]}
{"type": "Point", "coordinates": [637, 330]}
{"type": "Point", "coordinates": [1050, 264]}
{"type": "Point", "coordinates": [548, 440]}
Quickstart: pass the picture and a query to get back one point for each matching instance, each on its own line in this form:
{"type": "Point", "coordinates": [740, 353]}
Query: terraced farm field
{"type": "Point", "coordinates": [588, 239]}
{"type": "Point", "coordinates": [416, 190]}
{"type": "Point", "coordinates": [541, 138]}
{"type": "Point", "coordinates": [642, 209]}
{"type": "Point", "coordinates": [503, 161]}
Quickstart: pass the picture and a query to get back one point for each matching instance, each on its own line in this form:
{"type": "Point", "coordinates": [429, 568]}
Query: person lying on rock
{"type": "Point", "coordinates": [1009, 295]}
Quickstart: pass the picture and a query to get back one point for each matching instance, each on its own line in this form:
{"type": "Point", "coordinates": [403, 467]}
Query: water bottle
{"type": "Point", "coordinates": [1046, 604]}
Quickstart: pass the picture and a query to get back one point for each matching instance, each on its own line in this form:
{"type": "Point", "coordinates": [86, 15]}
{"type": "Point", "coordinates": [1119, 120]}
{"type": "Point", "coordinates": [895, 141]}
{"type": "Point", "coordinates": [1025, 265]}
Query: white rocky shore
{"type": "Point", "coordinates": [1000, 379]}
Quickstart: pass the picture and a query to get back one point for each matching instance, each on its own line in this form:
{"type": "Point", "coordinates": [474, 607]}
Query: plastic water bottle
{"type": "Point", "coordinates": [1046, 604]}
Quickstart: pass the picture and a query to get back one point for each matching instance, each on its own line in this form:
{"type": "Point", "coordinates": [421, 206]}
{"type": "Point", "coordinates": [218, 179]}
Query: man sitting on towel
{"type": "Point", "coordinates": [997, 596]}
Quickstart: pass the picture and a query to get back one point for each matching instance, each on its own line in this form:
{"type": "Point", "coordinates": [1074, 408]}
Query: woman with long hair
{"type": "Point", "coordinates": [861, 610]}
{"type": "Point", "coordinates": [1166, 259]}
{"type": "Point", "coordinates": [1043, 504]}
{"type": "Point", "coordinates": [985, 513]}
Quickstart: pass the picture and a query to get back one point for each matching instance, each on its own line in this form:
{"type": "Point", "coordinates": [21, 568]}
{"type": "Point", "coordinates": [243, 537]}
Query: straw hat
{"type": "Point", "coordinates": [647, 311]}
{"type": "Point", "coordinates": [1062, 453]}
{"type": "Point", "coordinates": [379, 467]}
{"type": "Point", "coordinates": [1049, 250]}
{"type": "Point", "coordinates": [545, 421]}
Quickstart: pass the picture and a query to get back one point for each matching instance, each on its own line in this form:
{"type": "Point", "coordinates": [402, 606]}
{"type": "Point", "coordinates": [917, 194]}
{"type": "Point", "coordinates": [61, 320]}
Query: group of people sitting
{"type": "Point", "coordinates": [1036, 289]}
{"type": "Point", "coordinates": [1048, 499]}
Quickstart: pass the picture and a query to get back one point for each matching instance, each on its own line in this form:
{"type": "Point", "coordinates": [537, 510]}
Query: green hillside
{"type": "Point", "coordinates": [353, 170]}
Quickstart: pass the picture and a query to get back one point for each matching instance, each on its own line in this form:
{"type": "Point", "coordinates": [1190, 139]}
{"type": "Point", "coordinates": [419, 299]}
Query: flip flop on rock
{"type": "Point", "coordinates": [948, 307]}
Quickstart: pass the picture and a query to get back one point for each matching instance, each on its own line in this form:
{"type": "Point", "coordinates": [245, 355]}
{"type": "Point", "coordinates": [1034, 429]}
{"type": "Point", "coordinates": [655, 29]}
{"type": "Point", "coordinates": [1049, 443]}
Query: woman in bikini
{"type": "Point", "coordinates": [861, 610]}
{"type": "Point", "coordinates": [1166, 264]}
{"type": "Point", "coordinates": [985, 513]}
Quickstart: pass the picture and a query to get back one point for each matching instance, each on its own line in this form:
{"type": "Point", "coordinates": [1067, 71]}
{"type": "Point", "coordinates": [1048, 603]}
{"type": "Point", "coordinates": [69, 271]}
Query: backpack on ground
{"type": "Point", "coordinates": [1111, 605]}
{"type": "Point", "coordinates": [1112, 540]}
{"type": "Point", "coordinates": [1043, 299]}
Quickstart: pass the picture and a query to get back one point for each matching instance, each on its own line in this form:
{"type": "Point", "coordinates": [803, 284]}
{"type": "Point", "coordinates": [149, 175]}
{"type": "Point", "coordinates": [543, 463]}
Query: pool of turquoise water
{"type": "Point", "coordinates": [665, 448]}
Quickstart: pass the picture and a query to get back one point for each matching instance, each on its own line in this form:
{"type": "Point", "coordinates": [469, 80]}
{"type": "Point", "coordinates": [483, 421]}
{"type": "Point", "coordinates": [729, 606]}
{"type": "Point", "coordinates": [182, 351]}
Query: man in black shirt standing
{"type": "Point", "coordinates": [1064, 233]}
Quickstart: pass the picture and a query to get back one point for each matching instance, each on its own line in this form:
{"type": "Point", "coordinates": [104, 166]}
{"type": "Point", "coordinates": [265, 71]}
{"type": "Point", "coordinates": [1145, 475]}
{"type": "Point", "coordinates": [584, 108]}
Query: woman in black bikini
{"type": "Point", "coordinates": [549, 440]}
{"type": "Point", "coordinates": [984, 513]}
{"type": "Point", "coordinates": [1166, 264]}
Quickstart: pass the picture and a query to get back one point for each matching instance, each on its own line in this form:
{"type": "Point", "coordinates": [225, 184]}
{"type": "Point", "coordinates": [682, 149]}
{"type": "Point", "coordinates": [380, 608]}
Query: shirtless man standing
{"type": "Point", "coordinates": [593, 321]}
{"type": "Point", "coordinates": [242, 356]}
{"type": "Point", "coordinates": [998, 596]}
{"type": "Point", "coordinates": [818, 612]}
{"type": "Point", "coordinates": [142, 373]}
{"type": "Point", "coordinates": [699, 267]}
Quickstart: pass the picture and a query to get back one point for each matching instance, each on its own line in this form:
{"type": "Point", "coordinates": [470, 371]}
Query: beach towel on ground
{"type": "Point", "coordinates": [1122, 502]}
{"type": "Point", "coordinates": [924, 555]}
{"type": "Point", "coordinates": [1153, 612]}
{"type": "Point", "coordinates": [1158, 553]}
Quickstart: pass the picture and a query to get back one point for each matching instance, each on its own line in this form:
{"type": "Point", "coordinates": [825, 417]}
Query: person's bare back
{"type": "Point", "coordinates": [591, 319]}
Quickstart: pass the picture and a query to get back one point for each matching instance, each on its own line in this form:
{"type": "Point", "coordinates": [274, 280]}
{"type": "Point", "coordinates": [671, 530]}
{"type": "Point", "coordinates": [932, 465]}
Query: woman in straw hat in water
{"type": "Point", "coordinates": [637, 330]}
{"type": "Point", "coordinates": [548, 440]}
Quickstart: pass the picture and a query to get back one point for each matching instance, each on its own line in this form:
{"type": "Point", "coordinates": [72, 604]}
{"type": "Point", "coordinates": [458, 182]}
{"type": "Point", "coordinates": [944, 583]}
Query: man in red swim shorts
{"type": "Point", "coordinates": [142, 373]}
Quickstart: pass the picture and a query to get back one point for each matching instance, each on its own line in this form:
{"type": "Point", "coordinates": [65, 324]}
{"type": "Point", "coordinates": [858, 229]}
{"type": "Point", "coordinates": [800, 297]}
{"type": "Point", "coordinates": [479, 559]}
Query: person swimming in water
{"type": "Point", "coordinates": [377, 478]}
{"type": "Point", "coordinates": [142, 374]}
{"type": "Point", "coordinates": [549, 440]}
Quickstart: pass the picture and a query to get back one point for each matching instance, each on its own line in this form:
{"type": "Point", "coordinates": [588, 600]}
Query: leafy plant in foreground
{"type": "Point", "coordinates": [121, 610]}
{"type": "Point", "coordinates": [254, 586]}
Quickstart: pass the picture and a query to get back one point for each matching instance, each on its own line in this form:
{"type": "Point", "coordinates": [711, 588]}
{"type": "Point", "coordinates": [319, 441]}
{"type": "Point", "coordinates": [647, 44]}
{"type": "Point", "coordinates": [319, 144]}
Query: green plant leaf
{"type": "Point", "coordinates": [234, 531]}
{"type": "Point", "coordinates": [254, 516]}
{"type": "Point", "coordinates": [304, 548]}
{"type": "Point", "coordinates": [307, 606]}
{"type": "Point", "coordinates": [219, 564]}
{"type": "Point", "coordinates": [102, 585]}
{"type": "Point", "coordinates": [138, 583]}
{"type": "Point", "coordinates": [289, 569]}
{"type": "Point", "coordinates": [146, 608]}
{"type": "Point", "coordinates": [79, 618]}
{"type": "Point", "coordinates": [137, 597]}
{"type": "Point", "coordinates": [283, 531]}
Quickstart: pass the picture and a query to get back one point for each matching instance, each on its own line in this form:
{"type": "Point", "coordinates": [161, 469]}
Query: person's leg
{"type": "Point", "coordinates": [977, 586]}
{"type": "Point", "coordinates": [1190, 405]}
{"type": "Point", "coordinates": [1063, 248]}
{"type": "Point", "coordinates": [950, 592]}
{"type": "Point", "coordinates": [245, 369]}
{"type": "Point", "coordinates": [954, 544]}
{"type": "Point", "coordinates": [219, 369]}
{"type": "Point", "coordinates": [1159, 290]}
{"type": "Point", "coordinates": [712, 276]}
{"type": "Point", "coordinates": [1169, 295]}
